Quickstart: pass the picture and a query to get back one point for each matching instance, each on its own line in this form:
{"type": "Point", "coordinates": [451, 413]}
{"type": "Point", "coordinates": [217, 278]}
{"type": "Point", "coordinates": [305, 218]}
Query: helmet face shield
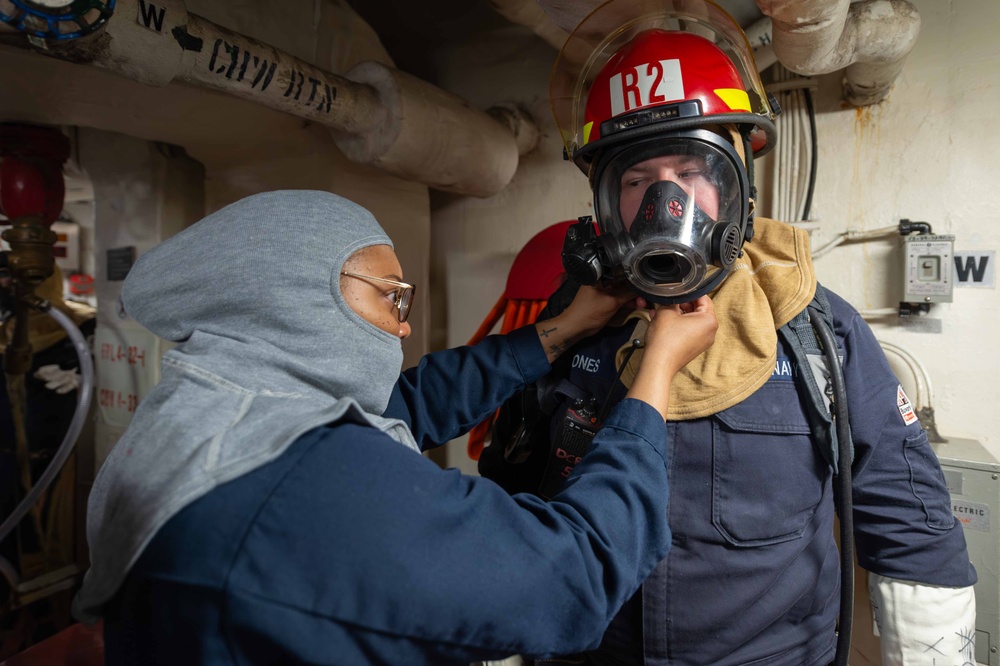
{"type": "Point", "coordinates": [672, 213]}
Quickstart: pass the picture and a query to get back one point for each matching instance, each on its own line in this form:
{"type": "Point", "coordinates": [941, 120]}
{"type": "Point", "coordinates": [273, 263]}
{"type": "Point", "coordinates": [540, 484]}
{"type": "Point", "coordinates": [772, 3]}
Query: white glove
{"type": "Point", "coordinates": [919, 623]}
{"type": "Point", "coordinates": [58, 380]}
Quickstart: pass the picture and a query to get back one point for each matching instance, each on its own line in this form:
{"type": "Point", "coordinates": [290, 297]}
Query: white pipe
{"type": "Point", "coordinates": [776, 177]}
{"type": "Point", "coordinates": [807, 225]}
{"type": "Point", "coordinates": [878, 312]}
{"type": "Point", "coordinates": [525, 131]}
{"type": "Point", "coordinates": [761, 39]}
{"type": "Point", "coordinates": [784, 180]}
{"type": "Point", "coordinates": [530, 15]}
{"type": "Point", "coordinates": [871, 38]}
{"type": "Point", "coordinates": [426, 134]}
{"type": "Point", "coordinates": [854, 236]}
{"type": "Point", "coordinates": [566, 14]}
{"type": "Point", "coordinates": [920, 373]}
{"type": "Point", "coordinates": [379, 116]}
{"type": "Point", "coordinates": [797, 164]}
{"type": "Point", "coordinates": [223, 60]}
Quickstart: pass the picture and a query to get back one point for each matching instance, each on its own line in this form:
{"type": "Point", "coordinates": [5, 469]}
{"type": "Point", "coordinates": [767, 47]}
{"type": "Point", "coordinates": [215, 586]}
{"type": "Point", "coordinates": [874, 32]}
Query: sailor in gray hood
{"type": "Point", "coordinates": [268, 503]}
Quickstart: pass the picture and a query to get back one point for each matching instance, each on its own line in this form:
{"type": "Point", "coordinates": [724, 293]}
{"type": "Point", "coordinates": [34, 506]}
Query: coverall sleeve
{"type": "Point", "coordinates": [903, 525]}
{"type": "Point", "coordinates": [411, 564]}
{"type": "Point", "coordinates": [452, 390]}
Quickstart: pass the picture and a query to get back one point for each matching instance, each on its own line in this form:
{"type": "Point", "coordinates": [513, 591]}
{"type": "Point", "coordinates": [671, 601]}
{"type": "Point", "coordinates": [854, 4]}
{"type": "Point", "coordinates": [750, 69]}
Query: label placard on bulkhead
{"type": "Point", "coordinates": [972, 515]}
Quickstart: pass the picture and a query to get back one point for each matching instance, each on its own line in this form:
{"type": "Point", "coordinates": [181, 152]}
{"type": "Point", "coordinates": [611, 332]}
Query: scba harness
{"type": "Point", "coordinates": [542, 433]}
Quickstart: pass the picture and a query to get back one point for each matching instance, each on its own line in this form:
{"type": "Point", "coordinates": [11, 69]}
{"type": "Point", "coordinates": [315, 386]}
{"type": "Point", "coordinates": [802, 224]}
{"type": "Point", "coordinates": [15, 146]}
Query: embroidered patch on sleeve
{"type": "Point", "coordinates": [905, 408]}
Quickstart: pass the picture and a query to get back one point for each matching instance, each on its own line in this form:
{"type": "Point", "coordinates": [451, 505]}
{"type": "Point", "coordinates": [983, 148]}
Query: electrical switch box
{"type": "Point", "coordinates": [973, 477]}
{"type": "Point", "coordinates": [928, 268]}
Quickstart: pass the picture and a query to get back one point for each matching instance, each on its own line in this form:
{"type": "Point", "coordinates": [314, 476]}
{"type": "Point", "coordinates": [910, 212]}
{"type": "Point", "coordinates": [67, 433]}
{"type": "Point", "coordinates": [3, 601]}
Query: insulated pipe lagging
{"type": "Point", "coordinates": [223, 60]}
{"type": "Point", "coordinates": [870, 38]}
{"type": "Point", "coordinates": [531, 15]}
{"type": "Point", "coordinates": [761, 40]}
{"type": "Point", "coordinates": [379, 116]}
{"type": "Point", "coordinates": [430, 135]}
{"type": "Point", "coordinates": [84, 393]}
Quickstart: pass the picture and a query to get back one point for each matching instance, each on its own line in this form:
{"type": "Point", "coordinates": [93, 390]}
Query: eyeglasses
{"type": "Point", "coordinates": [404, 293]}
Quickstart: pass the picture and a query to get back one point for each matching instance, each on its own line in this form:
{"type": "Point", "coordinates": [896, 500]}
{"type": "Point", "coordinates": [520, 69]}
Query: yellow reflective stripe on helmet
{"type": "Point", "coordinates": [586, 132]}
{"type": "Point", "coordinates": [735, 99]}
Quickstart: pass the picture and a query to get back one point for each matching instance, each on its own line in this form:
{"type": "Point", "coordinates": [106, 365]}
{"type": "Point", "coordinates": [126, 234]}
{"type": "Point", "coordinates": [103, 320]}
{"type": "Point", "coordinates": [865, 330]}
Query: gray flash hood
{"type": "Point", "coordinates": [268, 350]}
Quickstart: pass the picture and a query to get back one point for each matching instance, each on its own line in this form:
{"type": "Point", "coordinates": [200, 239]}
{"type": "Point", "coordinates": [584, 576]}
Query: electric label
{"type": "Point", "coordinates": [972, 515]}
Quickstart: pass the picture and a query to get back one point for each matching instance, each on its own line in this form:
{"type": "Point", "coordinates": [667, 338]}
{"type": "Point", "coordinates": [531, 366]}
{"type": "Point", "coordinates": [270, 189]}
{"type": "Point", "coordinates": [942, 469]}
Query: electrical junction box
{"type": "Point", "coordinates": [928, 268]}
{"type": "Point", "coordinates": [973, 477]}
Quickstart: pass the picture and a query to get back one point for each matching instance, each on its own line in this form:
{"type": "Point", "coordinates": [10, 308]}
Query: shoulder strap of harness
{"type": "Point", "coordinates": [808, 354]}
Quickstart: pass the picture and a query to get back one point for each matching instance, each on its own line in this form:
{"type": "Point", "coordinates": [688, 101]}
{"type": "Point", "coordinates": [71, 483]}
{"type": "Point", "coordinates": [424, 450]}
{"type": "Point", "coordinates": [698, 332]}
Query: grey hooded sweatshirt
{"type": "Point", "coordinates": [268, 350]}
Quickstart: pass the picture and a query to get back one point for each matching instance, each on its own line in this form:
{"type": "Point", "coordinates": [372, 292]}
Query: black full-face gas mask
{"type": "Point", "coordinates": [673, 214]}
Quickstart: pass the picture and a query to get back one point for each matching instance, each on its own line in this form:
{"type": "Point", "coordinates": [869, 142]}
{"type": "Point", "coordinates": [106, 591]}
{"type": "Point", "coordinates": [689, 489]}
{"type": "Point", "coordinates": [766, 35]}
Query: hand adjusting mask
{"type": "Point", "coordinates": [673, 215]}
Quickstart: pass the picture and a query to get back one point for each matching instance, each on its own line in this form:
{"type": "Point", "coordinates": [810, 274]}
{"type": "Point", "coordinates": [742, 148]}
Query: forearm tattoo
{"type": "Point", "coordinates": [558, 348]}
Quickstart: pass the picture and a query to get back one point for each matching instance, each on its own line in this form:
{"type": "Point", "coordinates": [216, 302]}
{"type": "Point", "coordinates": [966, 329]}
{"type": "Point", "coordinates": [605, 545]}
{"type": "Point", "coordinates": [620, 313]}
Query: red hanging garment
{"type": "Point", "coordinates": [537, 271]}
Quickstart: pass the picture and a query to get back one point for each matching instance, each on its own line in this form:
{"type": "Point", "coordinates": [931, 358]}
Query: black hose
{"type": "Point", "coordinates": [845, 505]}
{"type": "Point", "coordinates": [908, 227]}
{"type": "Point", "coordinates": [815, 157]}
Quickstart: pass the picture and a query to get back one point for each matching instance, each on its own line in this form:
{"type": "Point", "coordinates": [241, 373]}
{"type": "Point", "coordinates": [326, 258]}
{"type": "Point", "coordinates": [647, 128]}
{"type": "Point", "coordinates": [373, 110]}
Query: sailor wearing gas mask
{"type": "Point", "coordinates": [769, 436]}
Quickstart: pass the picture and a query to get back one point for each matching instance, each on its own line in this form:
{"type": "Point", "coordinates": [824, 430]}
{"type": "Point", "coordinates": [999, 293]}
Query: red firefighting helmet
{"type": "Point", "coordinates": [638, 69]}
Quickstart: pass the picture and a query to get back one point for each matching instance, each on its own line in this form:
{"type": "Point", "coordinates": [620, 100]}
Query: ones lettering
{"type": "Point", "coordinates": [586, 363]}
{"type": "Point", "coordinates": [649, 83]}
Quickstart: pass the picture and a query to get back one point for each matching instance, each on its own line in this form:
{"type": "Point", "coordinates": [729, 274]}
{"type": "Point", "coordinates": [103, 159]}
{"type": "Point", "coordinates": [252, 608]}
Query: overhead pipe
{"type": "Point", "coordinates": [761, 38]}
{"type": "Point", "coordinates": [529, 14]}
{"type": "Point", "coordinates": [564, 14]}
{"type": "Point", "coordinates": [549, 21]}
{"type": "Point", "coordinates": [532, 15]}
{"type": "Point", "coordinates": [378, 115]}
{"type": "Point", "coordinates": [525, 131]}
{"type": "Point", "coordinates": [870, 38]}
